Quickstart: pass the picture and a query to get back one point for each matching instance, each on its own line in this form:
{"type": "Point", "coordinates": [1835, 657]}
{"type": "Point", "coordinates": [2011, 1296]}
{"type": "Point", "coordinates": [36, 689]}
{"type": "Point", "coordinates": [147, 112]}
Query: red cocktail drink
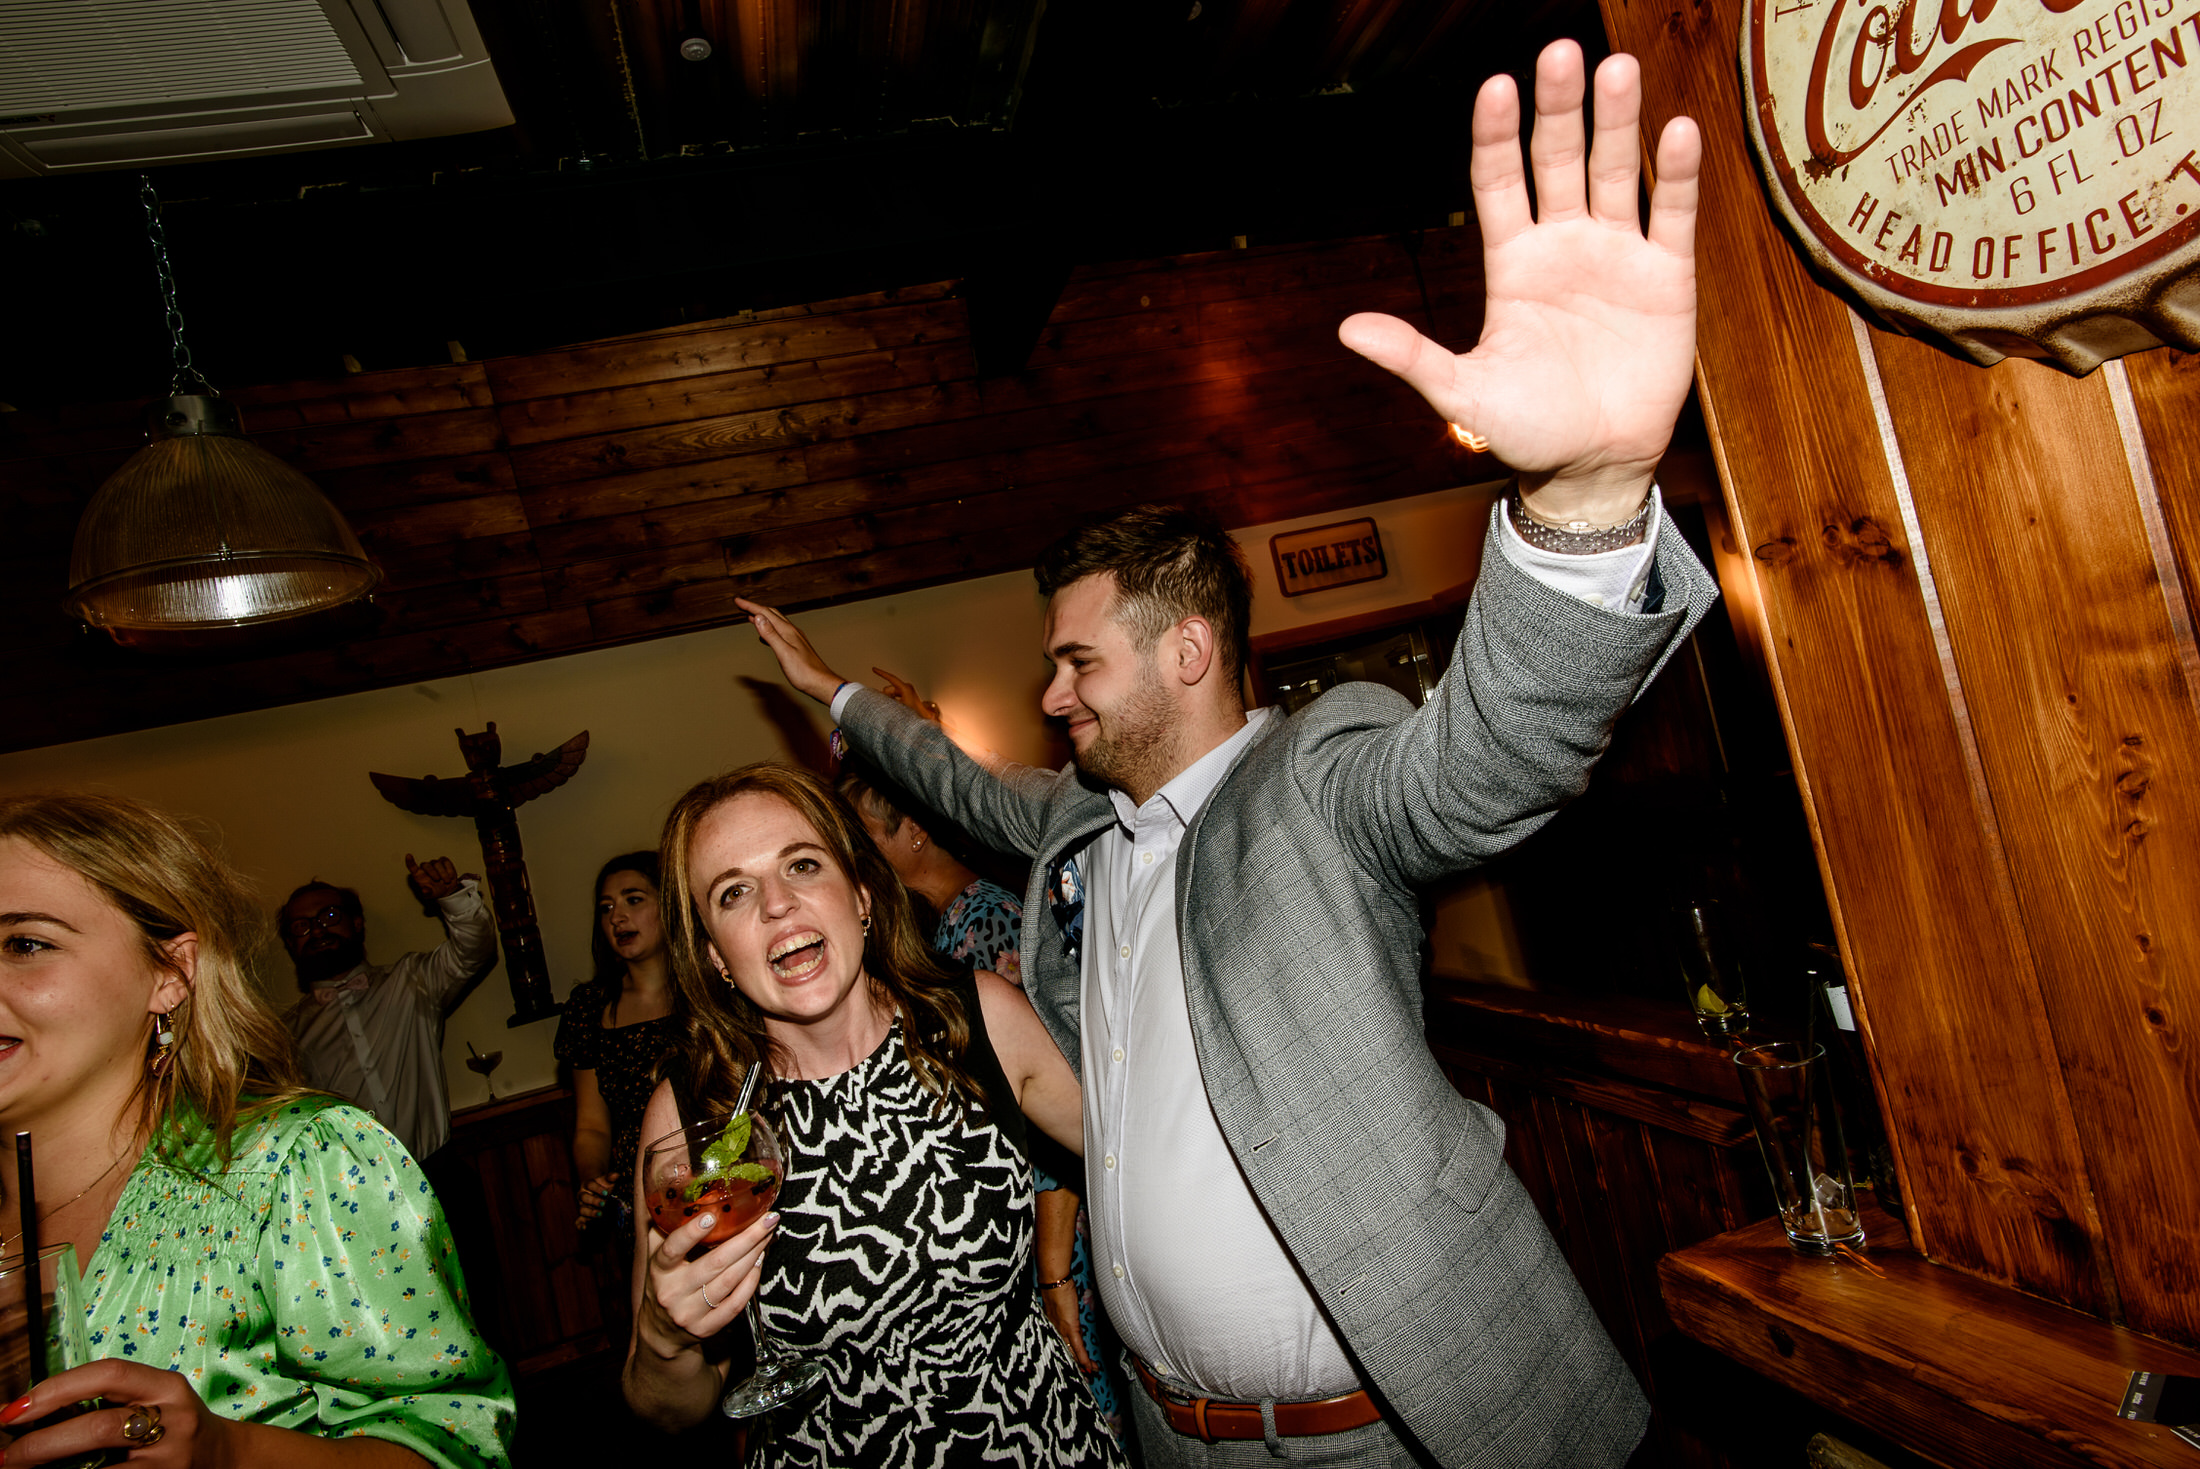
{"type": "Point", "coordinates": [737, 1202]}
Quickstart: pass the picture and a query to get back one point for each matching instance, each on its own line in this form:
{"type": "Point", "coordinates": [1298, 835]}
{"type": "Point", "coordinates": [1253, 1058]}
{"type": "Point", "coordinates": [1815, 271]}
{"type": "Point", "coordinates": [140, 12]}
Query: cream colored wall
{"type": "Point", "coordinates": [1431, 542]}
{"type": "Point", "coordinates": [286, 789]}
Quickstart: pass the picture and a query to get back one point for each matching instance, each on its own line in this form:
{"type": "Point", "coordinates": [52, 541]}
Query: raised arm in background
{"type": "Point", "coordinates": [448, 973]}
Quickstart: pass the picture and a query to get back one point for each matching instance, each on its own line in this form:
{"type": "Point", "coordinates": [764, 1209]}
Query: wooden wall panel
{"type": "Point", "coordinates": [2165, 388]}
{"type": "Point", "coordinates": [533, 1282]}
{"type": "Point", "coordinates": [437, 389]}
{"type": "Point", "coordinates": [745, 390]}
{"type": "Point", "coordinates": [1941, 969]}
{"type": "Point", "coordinates": [2090, 750]}
{"type": "Point", "coordinates": [385, 486]}
{"type": "Point", "coordinates": [792, 334]}
{"type": "Point", "coordinates": [630, 488]}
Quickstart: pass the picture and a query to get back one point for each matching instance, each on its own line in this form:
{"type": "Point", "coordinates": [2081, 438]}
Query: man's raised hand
{"type": "Point", "coordinates": [798, 661]}
{"type": "Point", "coordinates": [434, 880]}
{"type": "Point", "coordinates": [1589, 336]}
{"type": "Point", "coordinates": [904, 693]}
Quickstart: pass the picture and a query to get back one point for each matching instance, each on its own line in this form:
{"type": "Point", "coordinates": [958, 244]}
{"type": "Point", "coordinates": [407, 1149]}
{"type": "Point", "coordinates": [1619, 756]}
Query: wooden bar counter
{"type": "Point", "coordinates": [1951, 1367]}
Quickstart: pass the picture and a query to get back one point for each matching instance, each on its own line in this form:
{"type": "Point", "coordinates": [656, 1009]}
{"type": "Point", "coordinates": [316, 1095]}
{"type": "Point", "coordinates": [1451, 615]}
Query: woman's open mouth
{"type": "Point", "coordinates": [797, 956]}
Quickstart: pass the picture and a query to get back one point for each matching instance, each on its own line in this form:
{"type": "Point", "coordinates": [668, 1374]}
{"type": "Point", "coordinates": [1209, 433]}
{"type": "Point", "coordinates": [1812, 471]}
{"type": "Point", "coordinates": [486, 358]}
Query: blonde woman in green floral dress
{"type": "Point", "coordinates": [269, 1276]}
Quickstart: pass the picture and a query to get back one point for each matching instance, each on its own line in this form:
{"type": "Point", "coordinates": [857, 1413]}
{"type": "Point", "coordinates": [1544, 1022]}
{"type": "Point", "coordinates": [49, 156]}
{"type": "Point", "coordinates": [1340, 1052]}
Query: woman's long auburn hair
{"type": "Point", "coordinates": [725, 1031]}
{"type": "Point", "coordinates": [232, 1056]}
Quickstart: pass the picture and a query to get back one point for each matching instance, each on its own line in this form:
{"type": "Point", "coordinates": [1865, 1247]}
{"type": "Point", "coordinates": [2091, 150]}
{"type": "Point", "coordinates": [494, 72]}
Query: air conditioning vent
{"type": "Point", "coordinates": [94, 84]}
{"type": "Point", "coordinates": [247, 135]}
{"type": "Point", "coordinates": [125, 53]}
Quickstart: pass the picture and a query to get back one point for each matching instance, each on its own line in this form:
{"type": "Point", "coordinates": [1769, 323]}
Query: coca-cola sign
{"type": "Point", "coordinates": [2010, 175]}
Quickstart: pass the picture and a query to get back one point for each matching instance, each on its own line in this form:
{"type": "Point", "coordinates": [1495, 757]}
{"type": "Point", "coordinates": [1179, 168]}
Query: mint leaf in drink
{"type": "Point", "coordinates": [750, 1173]}
{"type": "Point", "coordinates": [722, 1159]}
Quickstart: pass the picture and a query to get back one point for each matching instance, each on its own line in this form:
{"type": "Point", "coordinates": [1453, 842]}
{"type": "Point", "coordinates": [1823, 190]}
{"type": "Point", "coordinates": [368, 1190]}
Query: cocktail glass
{"type": "Point", "coordinates": [729, 1166]}
{"type": "Point", "coordinates": [482, 1065]}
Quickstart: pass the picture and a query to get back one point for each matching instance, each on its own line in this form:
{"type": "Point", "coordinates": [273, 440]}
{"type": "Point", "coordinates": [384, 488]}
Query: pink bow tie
{"type": "Point", "coordinates": [327, 993]}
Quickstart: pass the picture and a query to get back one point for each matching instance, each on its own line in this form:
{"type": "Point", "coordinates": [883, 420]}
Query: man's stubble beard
{"type": "Point", "coordinates": [329, 963]}
{"type": "Point", "coordinates": [1135, 747]}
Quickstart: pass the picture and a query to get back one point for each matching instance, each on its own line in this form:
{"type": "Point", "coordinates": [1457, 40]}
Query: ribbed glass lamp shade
{"type": "Point", "coordinates": [203, 529]}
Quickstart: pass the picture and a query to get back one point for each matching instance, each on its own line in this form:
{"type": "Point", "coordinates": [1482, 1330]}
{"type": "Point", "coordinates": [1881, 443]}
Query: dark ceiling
{"type": "Point", "coordinates": [821, 149]}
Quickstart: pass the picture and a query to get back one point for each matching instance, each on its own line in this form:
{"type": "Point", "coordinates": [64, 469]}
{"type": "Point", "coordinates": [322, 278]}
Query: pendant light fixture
{"type": "Point", "coordinates": [203, 530]}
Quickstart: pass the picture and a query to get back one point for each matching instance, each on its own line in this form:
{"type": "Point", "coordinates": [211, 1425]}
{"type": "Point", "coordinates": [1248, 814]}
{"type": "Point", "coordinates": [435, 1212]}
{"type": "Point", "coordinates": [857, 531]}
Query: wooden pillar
{"type": "Point", "coordinates": [1972, 592]}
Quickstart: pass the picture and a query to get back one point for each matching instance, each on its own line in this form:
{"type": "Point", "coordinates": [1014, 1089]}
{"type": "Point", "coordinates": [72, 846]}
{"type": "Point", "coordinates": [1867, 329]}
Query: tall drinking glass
{"type": "Point", "coordinates": [1790, 1095]}
{"type": "Point", "coordinates": [729, 1166]}
{"type": "Point", "coordinates": [67, 1341]}
{"type": "Point", "coordinates": [1710, 970]}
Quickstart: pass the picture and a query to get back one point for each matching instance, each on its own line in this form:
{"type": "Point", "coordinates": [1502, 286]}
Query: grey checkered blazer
{"type": "Point", "coordinates": [1301, 942]}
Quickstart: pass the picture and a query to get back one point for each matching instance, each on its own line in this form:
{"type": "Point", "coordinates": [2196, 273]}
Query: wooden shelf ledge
{"type": "Point", "coordinates": [1953, 1368]}
{"type": "Point", "coordinates": [1621, 1035]}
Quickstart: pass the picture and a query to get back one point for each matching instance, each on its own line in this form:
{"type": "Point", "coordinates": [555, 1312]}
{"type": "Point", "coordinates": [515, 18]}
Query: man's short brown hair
{"type": "Point", "coordinates": [1169, 563]}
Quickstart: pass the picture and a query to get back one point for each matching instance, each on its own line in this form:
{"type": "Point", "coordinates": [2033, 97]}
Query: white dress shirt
{"type": "Point", "coordinates": [1195, 1280]}
{"type": "Point", "coordinates": [375, 1036]}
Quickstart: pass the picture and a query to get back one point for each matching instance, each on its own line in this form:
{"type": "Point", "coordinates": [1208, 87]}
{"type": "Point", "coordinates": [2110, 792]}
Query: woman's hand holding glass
{"type": "Point", "coordinates": [686, 1301]}
{"type": "Point", "coordinates": [158, 1418]}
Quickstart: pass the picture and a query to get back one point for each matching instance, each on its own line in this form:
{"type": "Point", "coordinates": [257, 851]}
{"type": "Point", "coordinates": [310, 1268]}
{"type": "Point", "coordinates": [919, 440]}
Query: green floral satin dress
{"type": "Point", "coordinates": [312, 1284]}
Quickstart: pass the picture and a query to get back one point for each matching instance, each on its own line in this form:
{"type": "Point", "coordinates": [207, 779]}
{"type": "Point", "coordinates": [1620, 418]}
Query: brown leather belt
{"type": "Point", "coordinates": [1208, 1419]}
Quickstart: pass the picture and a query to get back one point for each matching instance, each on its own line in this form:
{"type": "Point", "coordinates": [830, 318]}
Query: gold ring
{"type": "Point", "coordinates": [1469, 438]}
{"type": "Point", "coordinates": [142, 1429]}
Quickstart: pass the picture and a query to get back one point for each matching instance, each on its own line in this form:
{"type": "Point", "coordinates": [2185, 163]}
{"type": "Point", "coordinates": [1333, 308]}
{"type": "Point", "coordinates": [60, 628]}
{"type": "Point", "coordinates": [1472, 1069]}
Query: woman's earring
{"type": "Point", "coordinates": [866, 925]}
{"type": "Point", "coordinates": [164, 1042]}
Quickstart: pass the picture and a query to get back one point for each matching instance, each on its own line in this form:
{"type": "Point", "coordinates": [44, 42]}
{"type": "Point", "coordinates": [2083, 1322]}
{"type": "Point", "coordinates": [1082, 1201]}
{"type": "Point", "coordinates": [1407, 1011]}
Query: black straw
{"type": "Point", "coordinates": [34, 1303]}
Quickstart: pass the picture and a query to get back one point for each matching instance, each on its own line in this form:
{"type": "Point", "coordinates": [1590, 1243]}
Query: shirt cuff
{"type": "Point", "coordinates": [841, 696]}
{"type": "Point", "coordinates": [1615, 580]}
{"type": "Point", "coordinates": [466, 895]}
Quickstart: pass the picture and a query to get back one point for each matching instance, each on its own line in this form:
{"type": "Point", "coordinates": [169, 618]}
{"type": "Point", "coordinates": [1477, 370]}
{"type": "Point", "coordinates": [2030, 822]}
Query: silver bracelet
{"type": "Point", "coordinates": [1578, 537]}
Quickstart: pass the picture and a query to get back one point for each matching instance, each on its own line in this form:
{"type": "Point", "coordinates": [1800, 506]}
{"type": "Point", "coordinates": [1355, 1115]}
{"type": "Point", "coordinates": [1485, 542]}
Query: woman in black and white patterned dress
{"type": "Point", "coordinates": [902, 1256]}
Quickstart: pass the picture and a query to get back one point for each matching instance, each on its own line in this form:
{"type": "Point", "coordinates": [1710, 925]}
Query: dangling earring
{"type": "Point", "coordinates": [164, 1043]}
{"type": "Point", "coordinates": [866, 925]}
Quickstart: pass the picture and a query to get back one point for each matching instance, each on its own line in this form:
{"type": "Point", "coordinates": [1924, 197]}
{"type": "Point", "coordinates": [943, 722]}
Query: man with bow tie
{"type": "Point", "coordinates": [373, 1034]}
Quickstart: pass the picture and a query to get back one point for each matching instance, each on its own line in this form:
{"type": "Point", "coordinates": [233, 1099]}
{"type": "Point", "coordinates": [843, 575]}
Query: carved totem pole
{"type": "Point", "coordinates": [488, 793]}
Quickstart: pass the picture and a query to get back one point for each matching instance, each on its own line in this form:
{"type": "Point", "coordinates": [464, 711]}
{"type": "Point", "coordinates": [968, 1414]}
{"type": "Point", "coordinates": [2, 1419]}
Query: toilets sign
{"type": "Point", "coordinates": [1328, 556]}
{"type": "Point", "coordinates": [2010, 175]}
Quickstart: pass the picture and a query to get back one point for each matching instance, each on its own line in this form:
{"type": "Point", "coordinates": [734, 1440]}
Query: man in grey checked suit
{"type": "Point", "coordinates": [1308, 1240]}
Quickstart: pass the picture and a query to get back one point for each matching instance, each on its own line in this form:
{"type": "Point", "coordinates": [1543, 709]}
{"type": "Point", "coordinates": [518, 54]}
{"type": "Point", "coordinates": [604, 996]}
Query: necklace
{"type": "Point", "coordinates": [46, 1214]}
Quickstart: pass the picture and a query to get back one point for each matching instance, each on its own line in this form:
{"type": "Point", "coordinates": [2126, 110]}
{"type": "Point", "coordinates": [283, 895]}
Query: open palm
{"type": "Point", "coordinates": [1589, 336]}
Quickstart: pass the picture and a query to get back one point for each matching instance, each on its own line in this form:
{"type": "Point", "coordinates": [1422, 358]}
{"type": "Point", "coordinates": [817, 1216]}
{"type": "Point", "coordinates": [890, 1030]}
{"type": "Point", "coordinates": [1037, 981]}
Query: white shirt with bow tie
{"type": "Point", "coordinates": [375, 1036]}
